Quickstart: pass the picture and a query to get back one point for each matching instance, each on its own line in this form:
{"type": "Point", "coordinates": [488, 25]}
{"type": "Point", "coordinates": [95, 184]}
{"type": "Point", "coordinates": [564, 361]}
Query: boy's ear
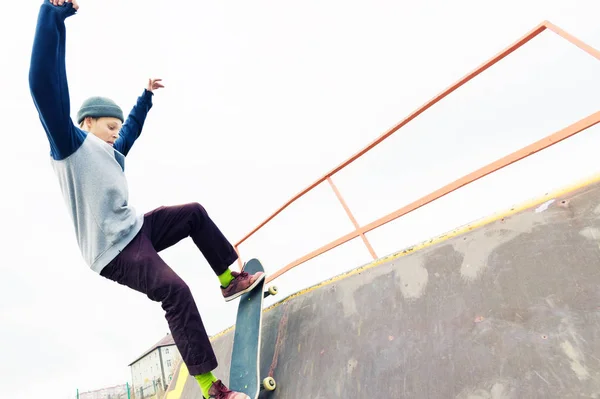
{"type": "Point", "coordinates": [88, 121]}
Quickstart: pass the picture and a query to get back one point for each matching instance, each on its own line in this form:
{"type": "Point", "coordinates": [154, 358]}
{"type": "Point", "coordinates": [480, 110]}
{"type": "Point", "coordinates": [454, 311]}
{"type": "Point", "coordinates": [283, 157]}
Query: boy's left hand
{"type": "Point", "coordinates": [154, 84]}
{"type": "Point", "coordinates": [61, 2]}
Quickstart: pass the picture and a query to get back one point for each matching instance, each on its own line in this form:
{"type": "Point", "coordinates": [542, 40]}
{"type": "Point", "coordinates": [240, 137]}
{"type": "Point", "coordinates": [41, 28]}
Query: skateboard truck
{"type": "Point", "coordinates": [272, 290]}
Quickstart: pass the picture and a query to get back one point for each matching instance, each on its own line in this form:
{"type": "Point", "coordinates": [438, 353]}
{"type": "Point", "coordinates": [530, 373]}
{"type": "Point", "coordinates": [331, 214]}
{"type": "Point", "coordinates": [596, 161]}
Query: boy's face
{"type": "Point", "coordinates": [106, 129]}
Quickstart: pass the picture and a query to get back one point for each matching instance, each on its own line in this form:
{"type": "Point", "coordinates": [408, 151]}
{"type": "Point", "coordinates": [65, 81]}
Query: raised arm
{"type": "Point", "coordinates": [132, 128]}
{"type": "Point", "coordinates": [48, 80]}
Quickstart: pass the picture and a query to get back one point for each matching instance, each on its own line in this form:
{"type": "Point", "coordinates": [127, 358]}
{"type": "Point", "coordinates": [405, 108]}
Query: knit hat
{"type": "Point", "coordinates": [99, 107]}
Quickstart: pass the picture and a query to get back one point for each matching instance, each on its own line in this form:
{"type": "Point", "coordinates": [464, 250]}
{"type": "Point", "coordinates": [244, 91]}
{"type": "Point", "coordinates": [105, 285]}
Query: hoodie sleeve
{"type": "Point", "coordinates": [132, 128]}
{"type": "Point", "coordinates": [48, 80]}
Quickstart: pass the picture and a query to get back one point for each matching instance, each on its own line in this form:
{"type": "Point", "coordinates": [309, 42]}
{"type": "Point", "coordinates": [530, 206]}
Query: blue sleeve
{"type": "Point", "coordinates": [132, 128]}
{"type": "Point", "coordinates": [48, 80]}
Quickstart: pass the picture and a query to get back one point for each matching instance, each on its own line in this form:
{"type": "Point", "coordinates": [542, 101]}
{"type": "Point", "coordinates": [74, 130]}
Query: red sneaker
{"type": "Point", "coordinates": [241, 283]}
{"type": "Point", "coordinates": [219, 391]}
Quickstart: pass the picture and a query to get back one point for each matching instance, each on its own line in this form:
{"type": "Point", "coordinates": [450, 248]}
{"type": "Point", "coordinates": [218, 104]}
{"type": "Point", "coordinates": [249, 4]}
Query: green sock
{"type": "Point", "coordinates": [225, 278]}
{"type": "Point", "coordinates": [205, 380]}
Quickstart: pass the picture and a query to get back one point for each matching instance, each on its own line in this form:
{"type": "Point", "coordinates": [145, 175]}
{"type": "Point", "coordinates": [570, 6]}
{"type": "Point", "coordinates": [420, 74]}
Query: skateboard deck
{"type": "Point", "coordinates": [244, 373]}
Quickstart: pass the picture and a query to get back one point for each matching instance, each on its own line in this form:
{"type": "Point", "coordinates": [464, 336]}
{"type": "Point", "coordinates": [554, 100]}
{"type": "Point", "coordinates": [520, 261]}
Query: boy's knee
{"type": "Point", "coordinates": [171, 288]}
{"type": "Point", "coordinates": [178, 287]}
{"type": "Point", "coordinates": [197, 209]}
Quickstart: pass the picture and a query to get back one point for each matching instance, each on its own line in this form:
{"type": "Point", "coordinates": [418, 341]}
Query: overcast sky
{"type": "Point", "coordinates": [261, 99]}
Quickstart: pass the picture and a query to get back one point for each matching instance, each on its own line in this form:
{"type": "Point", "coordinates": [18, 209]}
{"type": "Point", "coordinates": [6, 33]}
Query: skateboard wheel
{"type": "Point", "coordinates": [269, 384]}
{"type": "Point", "coordinates": [273, 290]}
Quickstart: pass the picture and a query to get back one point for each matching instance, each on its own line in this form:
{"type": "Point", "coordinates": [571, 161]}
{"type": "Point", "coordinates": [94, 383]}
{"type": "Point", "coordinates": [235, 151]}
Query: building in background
{"type": "Point", "coordinates": [153, 370]}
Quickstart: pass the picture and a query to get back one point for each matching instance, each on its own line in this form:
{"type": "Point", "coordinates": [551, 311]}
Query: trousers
{"type": "Point", "coordinates": [139, 267]}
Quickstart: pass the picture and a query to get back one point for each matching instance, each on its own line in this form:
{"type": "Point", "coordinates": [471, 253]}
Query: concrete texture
{"type": "Point", "coordinates": [507, 308]}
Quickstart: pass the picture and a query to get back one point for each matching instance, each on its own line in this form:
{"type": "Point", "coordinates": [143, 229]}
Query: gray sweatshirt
{"type": "Point", "coordinates": [90, 171]}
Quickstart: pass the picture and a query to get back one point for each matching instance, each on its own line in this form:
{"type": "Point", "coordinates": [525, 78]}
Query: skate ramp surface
{"type": "Point", "coordinates": [508, 307]}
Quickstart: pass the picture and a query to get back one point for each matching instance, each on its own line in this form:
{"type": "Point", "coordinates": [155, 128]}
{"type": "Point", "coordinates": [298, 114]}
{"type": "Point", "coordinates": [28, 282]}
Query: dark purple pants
{"type": "Point", "coordinates": [140, 267]}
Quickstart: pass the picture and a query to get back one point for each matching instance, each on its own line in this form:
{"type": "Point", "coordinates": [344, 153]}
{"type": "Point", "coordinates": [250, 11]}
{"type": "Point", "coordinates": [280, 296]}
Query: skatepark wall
{"type": "Point", "coordinates": [506, 306]}
{"type": "Point", "coordinates": [500, 307]}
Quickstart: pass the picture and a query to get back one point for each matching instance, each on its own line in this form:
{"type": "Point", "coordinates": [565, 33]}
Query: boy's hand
{"type": "Point", "coordinates": [61, 2]}
{"type": "Point", "coordinates": [154, 84]}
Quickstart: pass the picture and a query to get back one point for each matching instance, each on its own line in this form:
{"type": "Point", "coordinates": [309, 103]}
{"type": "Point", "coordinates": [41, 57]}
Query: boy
{"type": "Point", "coordinates": [115, 241]}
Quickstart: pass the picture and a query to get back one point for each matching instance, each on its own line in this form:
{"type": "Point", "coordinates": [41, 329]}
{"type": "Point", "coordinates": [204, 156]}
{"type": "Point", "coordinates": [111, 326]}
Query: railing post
{"type": "Point", "coordinates": [239, 260]}
{"type": "Point", "coordinates": [351, 216]}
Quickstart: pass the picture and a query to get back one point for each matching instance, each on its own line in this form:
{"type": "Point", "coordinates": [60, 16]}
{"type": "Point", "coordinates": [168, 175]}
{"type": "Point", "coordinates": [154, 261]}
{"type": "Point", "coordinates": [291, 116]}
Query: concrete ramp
{"type": "Point", "coordinates": [506, 308]}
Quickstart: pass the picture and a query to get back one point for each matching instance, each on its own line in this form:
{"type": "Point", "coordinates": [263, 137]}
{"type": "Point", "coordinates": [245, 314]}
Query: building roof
{"type": "Point", "coordinates": [167, 340]}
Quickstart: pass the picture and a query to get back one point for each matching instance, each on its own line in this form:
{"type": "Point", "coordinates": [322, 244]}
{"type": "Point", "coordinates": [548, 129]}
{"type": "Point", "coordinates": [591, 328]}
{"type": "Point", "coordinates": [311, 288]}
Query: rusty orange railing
{"type": "Point", "coordinates": [359, 231]}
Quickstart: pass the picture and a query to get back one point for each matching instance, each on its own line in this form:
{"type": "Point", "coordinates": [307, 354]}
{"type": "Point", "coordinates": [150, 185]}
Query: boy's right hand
{"type": "Point", "coordinates": [61, 2]}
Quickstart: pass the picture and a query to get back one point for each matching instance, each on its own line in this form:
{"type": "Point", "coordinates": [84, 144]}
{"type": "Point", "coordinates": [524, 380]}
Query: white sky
{"type": "Point", "coordinates": [261, 99]}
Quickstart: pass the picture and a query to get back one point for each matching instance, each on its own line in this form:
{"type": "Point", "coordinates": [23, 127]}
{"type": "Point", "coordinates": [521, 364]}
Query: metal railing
{"type": "Point", "coordinates": [360, 231]}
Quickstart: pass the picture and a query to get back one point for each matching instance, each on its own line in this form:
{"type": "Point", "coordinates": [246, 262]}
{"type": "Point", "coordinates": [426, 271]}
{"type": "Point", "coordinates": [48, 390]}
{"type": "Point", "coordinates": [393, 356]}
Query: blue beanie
{"type": "Point", "coordinates": [99, 107]}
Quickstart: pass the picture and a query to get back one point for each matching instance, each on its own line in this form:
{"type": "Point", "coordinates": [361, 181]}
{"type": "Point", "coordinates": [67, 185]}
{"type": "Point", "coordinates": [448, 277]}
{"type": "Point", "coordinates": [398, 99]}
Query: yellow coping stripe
{"type": "Point", "coordinates": [181, 379]}
{"type": "Point", "coordinates": [453, 233]}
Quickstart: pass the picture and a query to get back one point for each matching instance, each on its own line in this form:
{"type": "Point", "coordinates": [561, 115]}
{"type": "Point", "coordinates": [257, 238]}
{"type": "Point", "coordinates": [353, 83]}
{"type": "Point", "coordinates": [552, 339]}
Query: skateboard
{"type": "Point", "coordinates": [244, 373]}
